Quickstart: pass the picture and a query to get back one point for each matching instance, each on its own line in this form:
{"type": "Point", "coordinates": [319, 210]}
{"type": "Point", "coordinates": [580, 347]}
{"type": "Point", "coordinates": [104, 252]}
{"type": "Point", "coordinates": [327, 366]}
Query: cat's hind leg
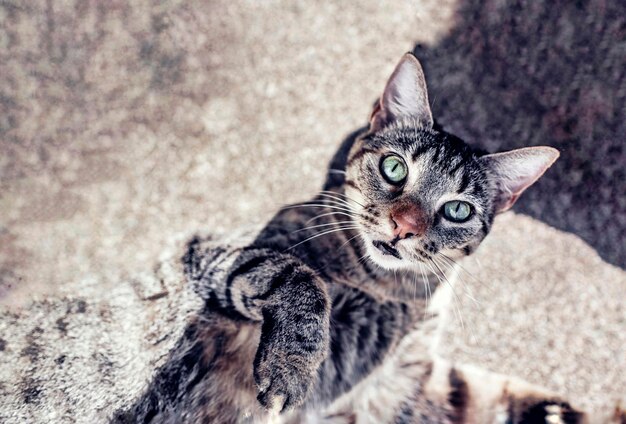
{"type": "Point", "coordinates": [415, 390]}
{"type": "Point", "coordinates": [474, 395]}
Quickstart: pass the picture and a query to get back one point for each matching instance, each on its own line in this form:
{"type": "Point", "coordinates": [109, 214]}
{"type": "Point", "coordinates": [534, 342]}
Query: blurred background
{"type": "Point", "coordinates": [123, 124]}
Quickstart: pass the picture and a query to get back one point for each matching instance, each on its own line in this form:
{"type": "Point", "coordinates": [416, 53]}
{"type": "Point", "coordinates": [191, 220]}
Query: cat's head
{"type": "Point", "coordinates": [421, 194]}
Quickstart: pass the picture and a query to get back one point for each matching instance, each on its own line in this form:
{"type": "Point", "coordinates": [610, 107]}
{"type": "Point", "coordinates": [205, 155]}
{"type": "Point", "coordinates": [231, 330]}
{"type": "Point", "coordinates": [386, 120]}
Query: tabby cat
{"type": "Point", "coordinates": [331, 313]}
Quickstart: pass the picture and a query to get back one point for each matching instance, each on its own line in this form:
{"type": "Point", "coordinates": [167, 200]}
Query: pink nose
{"type": "Point", "coordinates": [409, 220]}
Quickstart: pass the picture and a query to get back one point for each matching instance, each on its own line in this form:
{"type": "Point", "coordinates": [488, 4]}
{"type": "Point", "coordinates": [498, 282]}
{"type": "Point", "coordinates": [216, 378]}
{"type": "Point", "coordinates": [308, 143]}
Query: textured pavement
{"type": "Point", "coordinates": [122, 126]}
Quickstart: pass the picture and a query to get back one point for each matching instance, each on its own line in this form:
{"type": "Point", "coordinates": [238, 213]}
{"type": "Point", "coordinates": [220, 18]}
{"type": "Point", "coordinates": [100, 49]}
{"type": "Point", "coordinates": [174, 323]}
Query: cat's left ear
{"type": "Point", "coordinates": [517, 170]}
{"type": "Point", "coordinates": [405, 96]}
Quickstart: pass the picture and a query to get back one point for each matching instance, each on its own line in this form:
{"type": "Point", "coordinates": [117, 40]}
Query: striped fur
{"type": "Point", "coordinates": [308, 321]}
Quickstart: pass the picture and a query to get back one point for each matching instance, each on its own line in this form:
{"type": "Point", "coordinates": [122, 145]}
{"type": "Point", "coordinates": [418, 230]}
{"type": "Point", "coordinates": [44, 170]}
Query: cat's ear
{"type": "Point", "coordinates": [517, 170]}
{"type": "Point", "coordinates": [405, 96]}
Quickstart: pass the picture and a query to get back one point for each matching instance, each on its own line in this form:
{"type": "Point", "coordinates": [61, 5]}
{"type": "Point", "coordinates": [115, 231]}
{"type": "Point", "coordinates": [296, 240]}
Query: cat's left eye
{"type": "Point", "coordinates": [457, 211]}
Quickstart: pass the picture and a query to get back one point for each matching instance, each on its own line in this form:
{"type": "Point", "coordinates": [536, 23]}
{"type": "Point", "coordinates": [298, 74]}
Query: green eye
{"type": "Point", "coordinates": [393, 169]}
{"type": "Point", "coordinates": [457, 211]}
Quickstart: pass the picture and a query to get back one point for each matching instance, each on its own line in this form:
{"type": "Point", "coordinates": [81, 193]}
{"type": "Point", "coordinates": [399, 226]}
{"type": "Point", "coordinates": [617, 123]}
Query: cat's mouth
{"type": "Point", "coordinates": [386, 249]}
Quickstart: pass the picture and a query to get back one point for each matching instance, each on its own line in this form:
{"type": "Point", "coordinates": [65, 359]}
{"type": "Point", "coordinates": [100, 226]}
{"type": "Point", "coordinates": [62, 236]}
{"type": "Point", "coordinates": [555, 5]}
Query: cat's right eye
{"type": "Point", "coordinates": [394, 169]}
{"type": "Point", "coordinates": [457, 211]}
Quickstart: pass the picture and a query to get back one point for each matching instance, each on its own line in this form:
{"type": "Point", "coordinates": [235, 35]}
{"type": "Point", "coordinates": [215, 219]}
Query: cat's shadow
{"type": "Point", "coordinates": [515, 74]}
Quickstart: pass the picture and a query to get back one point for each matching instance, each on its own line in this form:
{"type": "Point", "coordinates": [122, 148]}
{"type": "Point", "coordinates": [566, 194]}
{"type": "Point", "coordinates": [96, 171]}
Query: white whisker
{"type": "Point", "coordinates": [336, 202]}
{"type": "Point", "coordinates": [327, 214]}
{"type": "Point", "coordinates": [462, 268]}
{"type": "Point", "coordinates": [333, 197]}
{"type": "Point", "coordinates": [457, 301]}
{"type": "Point", "coordinates": [322, 225]}
{"type": "Point", "coordinates": [441, 281]}
{"type": "Point", "coordinates": [348, 241]}
{"type": "Point", "coordinates": [317, 205]}
{"type": "Point", "coordinates": [426, 283]}
{"type": "Point", "coordinates": [466, 289]}
{"type": "Point", "coordinates": [337, 171]}
{"type": "Point", "coordinates": [334, 230]}
{"type": "Point", "coordinates": [345, 196]}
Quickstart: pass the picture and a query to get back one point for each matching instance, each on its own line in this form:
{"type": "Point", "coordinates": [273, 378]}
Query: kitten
{"type": "Point", "coordinates": [310, 320]}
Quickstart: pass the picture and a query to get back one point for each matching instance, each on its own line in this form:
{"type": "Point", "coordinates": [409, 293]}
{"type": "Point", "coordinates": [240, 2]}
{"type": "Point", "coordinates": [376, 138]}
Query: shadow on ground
{"type": "Point", "coordinates": [515, 74]}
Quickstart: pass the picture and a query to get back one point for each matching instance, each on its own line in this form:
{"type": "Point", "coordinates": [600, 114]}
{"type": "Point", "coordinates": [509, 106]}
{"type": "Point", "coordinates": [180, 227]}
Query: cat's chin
{"type": "Point", "coordinates": [385, 256]}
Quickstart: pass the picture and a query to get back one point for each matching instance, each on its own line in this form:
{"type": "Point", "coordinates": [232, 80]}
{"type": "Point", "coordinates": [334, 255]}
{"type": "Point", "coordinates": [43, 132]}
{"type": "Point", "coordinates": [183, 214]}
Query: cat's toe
{"type": "Point", "coordinates": [272, 401]}
{"type": "Point", "coordinates": [282, 394]}
{"type": "Point", "coordinates": [282, 386]}
{"type": "Point", "coordinates": [529, 411]}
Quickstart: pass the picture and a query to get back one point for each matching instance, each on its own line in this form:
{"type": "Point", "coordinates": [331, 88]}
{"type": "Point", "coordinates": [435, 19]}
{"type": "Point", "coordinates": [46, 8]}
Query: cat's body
{"type": "Point", "coordinates": [380, 368]}
{"type": "Point", "coordinates": [331, 313]}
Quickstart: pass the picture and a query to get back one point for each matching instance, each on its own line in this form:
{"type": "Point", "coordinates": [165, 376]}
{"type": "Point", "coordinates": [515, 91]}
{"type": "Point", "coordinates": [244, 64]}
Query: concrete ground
{"type": "Point", "coordinates": [122, 126]}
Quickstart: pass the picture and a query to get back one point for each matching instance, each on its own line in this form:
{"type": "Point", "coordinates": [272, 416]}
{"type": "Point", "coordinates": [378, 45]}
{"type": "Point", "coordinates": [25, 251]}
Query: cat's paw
{"type": "Point", "coordinates": [283, 381]}
{"type": "Point", "coordinates": [294, 341]}
{"type": "Point", "coordinates": [529, 410]}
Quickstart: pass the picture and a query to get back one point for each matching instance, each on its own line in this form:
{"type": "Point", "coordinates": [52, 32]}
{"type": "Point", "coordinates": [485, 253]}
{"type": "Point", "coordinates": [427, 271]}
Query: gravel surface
{"type": "Point", "coordinates": [121, 126]}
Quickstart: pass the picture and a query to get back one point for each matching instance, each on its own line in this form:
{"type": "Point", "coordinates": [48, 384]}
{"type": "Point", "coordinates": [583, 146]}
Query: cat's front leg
{"type": "Point", "coordinates": [287, 297]}
{"type": "Point", "coordinates": [294, 340]}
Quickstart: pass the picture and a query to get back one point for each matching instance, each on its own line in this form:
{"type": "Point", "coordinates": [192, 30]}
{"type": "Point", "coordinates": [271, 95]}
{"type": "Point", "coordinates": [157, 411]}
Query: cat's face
{"type": "Point", "coordinates": [424, 196]}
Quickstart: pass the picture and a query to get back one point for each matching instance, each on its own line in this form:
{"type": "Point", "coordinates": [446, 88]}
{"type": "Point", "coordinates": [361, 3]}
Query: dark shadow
{"type": "Point", "coordinates": [515, 73]}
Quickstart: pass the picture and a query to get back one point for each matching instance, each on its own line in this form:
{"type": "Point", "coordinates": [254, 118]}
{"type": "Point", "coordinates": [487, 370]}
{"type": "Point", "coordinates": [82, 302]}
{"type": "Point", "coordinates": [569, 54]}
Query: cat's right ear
{"type": "Point", "coordinates": [405, 96]}
{"type": "Point", "coordinates": [516, 170]}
